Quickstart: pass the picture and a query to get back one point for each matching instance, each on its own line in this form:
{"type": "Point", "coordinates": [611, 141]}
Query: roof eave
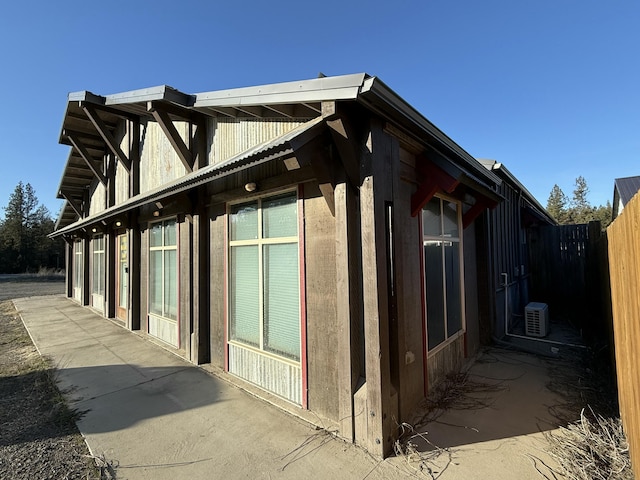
{"type": "Point", "coordinates": [378, 96]}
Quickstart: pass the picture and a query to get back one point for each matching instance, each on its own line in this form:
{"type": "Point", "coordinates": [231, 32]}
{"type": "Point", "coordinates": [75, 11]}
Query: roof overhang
{"type": "Point", "coordinates": [279, 148]}
{"type": "Point", "coordinates": [91, 120]}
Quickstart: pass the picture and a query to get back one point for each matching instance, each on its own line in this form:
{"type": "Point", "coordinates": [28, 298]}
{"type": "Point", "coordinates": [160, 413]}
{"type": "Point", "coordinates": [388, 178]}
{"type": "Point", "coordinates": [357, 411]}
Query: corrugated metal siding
{"type": "Point", "coordinates": [273, 375]}
{"type": "Point", "coordinates": [230, 136]}
{"type": "Point", "coordinates": [159, 163]}
{"type": "Point", "coordinates": [164, 329]}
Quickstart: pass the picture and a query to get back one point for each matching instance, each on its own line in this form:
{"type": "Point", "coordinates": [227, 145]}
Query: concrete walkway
{"type": "Point", "coordinates": [158, 417]}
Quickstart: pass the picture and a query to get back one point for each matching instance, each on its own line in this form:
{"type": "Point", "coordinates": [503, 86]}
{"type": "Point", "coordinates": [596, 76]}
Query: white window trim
{"type": "Point", "coordinates": [163, 248]}
{"type": "Point", "coordinates": [260, 242]}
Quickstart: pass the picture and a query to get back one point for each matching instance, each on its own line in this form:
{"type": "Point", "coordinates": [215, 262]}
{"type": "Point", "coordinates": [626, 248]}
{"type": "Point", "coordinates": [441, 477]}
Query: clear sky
{"type": "Point", "coordinates": [550, 88]}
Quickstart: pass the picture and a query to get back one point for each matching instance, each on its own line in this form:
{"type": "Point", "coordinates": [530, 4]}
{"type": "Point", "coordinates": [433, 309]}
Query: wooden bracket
{"type": "Point", "coordinates": [101, 127]}
{"type": "Point", "coordinates": [482, 203]}
{"type": "Point", "coordinates": [72, 203]}
{"type": "Point", "coordinates": [160, 112]}
{"type": "Point", "coordinates": [434, 180]}
{"type": "Point", "coordinates": [84, 153]}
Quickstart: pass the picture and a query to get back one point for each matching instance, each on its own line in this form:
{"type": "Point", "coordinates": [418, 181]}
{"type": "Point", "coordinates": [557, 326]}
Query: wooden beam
{"type": "Point", "coordinates": [72, 203]}
{"type": "Point", "coordinates": [344, 139]}
{"type": "Point", "coordinates": [82, 150]}
{"type": "Point", "coordinates": [434, 180]}
{"type": "Point", "coordinates": [113, 111]}
{"type": "Point", "coordinates": [287, 111]}
{"type": "Point", "coordinates": [256, 112]}
{"type": "Point", "coordinates": [102, 129]}
{"type": "Point", "coordinates": [313, 154]}
{"type": "Point", "coordinates": [169, 129]}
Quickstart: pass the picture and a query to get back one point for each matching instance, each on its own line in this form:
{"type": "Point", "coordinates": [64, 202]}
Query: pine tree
{"type": "Point", "coordinates": [557, 204]}
{"type": "Point", "coordinates": [580, 210]}
{"type": "Point", "coordinates": [24, 245]}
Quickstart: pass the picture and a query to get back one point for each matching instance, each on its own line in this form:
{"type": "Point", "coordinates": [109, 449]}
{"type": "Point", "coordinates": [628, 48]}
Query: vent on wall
{"type": "Point", "coordinates": [536, 317]}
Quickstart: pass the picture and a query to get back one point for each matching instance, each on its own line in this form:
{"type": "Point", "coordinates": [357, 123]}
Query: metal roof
{"type": "Point", "coordinates": [276, 148]}
{"type": "Point", "coordinates": [536, 207]}
{"type": "Point", "coordinates": [627, 187]}
{"type": "Point", "coordinates": [298, 100]}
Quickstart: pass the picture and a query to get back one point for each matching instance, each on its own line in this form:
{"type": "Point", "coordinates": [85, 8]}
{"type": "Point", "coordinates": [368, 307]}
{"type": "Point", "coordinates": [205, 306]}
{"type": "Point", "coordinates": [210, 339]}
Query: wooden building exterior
{"type": "Point", "coordinates": [315, 241]}
{"type": "Point", "coordinates": [504, 235]}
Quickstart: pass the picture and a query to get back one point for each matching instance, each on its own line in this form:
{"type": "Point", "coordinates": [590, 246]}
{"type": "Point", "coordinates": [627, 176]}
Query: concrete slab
{"type": "Point", "coordinates": [160, 417]}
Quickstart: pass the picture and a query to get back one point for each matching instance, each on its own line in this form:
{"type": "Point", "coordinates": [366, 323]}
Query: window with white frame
{"type": "Point", "coordinates": [264, 291]}
{"type": "Point", "coordinates": [442, 230]}
{"type": "Point", "coordinates": [163, 282]}
{"type": "Point", "coordinates": [78, 265]}
{"type": "Point", "coordinates": [97, 283]}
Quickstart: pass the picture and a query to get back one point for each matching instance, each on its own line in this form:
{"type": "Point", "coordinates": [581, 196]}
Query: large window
{"type": "Point", "coordinates": [264, 291]}
{"type": "Point", "coordinates": [78, 269]}
{"type": "Point", "coordinates": [163, 286]}
{"type": "Point", "coordinates": [441, 227]}
{"type": "Point", "coordinates": [97, 283]}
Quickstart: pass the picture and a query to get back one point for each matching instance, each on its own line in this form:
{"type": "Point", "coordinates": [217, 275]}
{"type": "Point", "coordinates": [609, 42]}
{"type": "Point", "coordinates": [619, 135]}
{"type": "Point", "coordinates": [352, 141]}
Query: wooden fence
{"type": "Point", "coordinates": [623, 236]}
{"type": "Point", "coordinates": [564, 272]}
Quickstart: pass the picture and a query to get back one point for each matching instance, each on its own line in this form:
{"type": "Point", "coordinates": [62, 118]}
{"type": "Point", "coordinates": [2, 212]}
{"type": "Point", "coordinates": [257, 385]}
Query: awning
{"type": "Point", "coordinates": [279, 147]}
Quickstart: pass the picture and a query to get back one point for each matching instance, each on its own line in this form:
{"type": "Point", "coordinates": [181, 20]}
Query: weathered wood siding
{"type": "Point", "coordinates": [217, 287]}
{"type": "Point", "coordinates": [408, 326]}
{"type": "Point", "coordinates": [121, 173]}
{"type": "Point", "coordinates": [322, 329]}
{"type": "Point", "coordinates": [472, 316]}
{"type": "Point", "coordinates": [97, 198]}
{"type": "Point", "coordinates": [447, 360]}
{"type": "Point", "coordinates": [159, 162]}
{"type": "Point", "coordinates": [624, 268]}
{"type": "Point", "coordinates": [230, 136]}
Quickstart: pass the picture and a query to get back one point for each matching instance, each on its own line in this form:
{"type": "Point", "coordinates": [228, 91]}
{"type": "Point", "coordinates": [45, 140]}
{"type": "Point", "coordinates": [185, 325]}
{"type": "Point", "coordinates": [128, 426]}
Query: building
{"type": "Point", "coordinates": [314, 241]}
{"type": "Point", "coordinates": [623, 190]}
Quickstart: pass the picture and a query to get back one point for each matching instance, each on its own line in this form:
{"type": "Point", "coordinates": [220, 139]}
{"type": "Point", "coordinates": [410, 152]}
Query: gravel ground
{"type": "Point", "coordinates": [39, 439]}
{"type": "Point", "coordinates": [19, 286]}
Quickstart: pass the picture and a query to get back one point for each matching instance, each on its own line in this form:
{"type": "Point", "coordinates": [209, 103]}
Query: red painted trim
{"type": "Point", "coordinates": [226, 289]}
{"type": "Point", "coordinates": [423, 303]}
{"type": "Point", "coordinates": [178, 316]}
{"type": "Point", "coordinates": [303, 297]}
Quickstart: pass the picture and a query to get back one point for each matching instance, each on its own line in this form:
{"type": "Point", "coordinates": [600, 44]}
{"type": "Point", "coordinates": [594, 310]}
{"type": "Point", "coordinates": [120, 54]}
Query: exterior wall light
{"type": "Point", "coordinates": [156, 213]}
{"type": "Point", "coordinates": [118, 223]}
{"type": "Point", "coordinates": [250, 187]}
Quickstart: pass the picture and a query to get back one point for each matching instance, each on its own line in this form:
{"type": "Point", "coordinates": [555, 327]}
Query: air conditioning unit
{"type": "Point", "coordinates": [536, 319]}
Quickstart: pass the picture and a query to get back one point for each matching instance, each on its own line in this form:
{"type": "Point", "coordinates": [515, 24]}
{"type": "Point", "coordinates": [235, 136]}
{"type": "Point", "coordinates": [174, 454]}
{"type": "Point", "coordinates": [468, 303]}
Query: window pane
{"type": "Point", "coordinates": [244, 221]}
{"type": "Point", "coordinates": [431, 218]}
{"type": "Point", "coordinates": [78, 266]}
{"type": "Point", "coordinates": [170, 285]}
{"type": "Point", "coordinates": [434, 293]}
{"type": "Point", "coordinates": [170, 233]}
{"type": "Point", "coordinates": [281, 300]}
{"type": "Point", "coordinates": [155, 282]}
{"type": "Point", "coordinates": [452, 275]}
{"type": "Point", "coordinates": [155, 235]}
{"type": "Point", "coordinates": [450, 219]}
{"type": "Point", "coordinates": [279, 217]}
{"type": "Point", "coordinates": [244, 295]}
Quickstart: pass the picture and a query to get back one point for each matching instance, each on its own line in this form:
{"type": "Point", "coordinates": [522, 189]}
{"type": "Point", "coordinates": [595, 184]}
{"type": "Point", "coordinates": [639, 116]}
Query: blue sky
{"type": "Point", "coordinates": [549, 88]}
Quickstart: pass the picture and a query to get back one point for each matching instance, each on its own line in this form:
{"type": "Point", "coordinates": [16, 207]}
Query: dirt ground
{"type": "Point", "coordinates": [38, 435]}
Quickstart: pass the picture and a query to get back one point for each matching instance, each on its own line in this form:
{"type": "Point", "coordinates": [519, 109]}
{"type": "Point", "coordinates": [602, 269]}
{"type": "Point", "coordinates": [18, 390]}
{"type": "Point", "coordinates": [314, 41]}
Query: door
{"type": "Point", "coordinates": [122, 278]}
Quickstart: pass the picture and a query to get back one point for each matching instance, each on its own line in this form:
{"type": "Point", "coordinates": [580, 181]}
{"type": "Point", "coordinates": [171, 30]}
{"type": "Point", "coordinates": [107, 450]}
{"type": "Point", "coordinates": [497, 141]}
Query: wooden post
{"type": "Point", "coordinates": [374, 191]}
{"type": "Point", "coordinates": [86, 258]}
{"type": "Point", "coordinates": [348, 305]}
{"type": "Point", "coordinates": [135, 259]}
